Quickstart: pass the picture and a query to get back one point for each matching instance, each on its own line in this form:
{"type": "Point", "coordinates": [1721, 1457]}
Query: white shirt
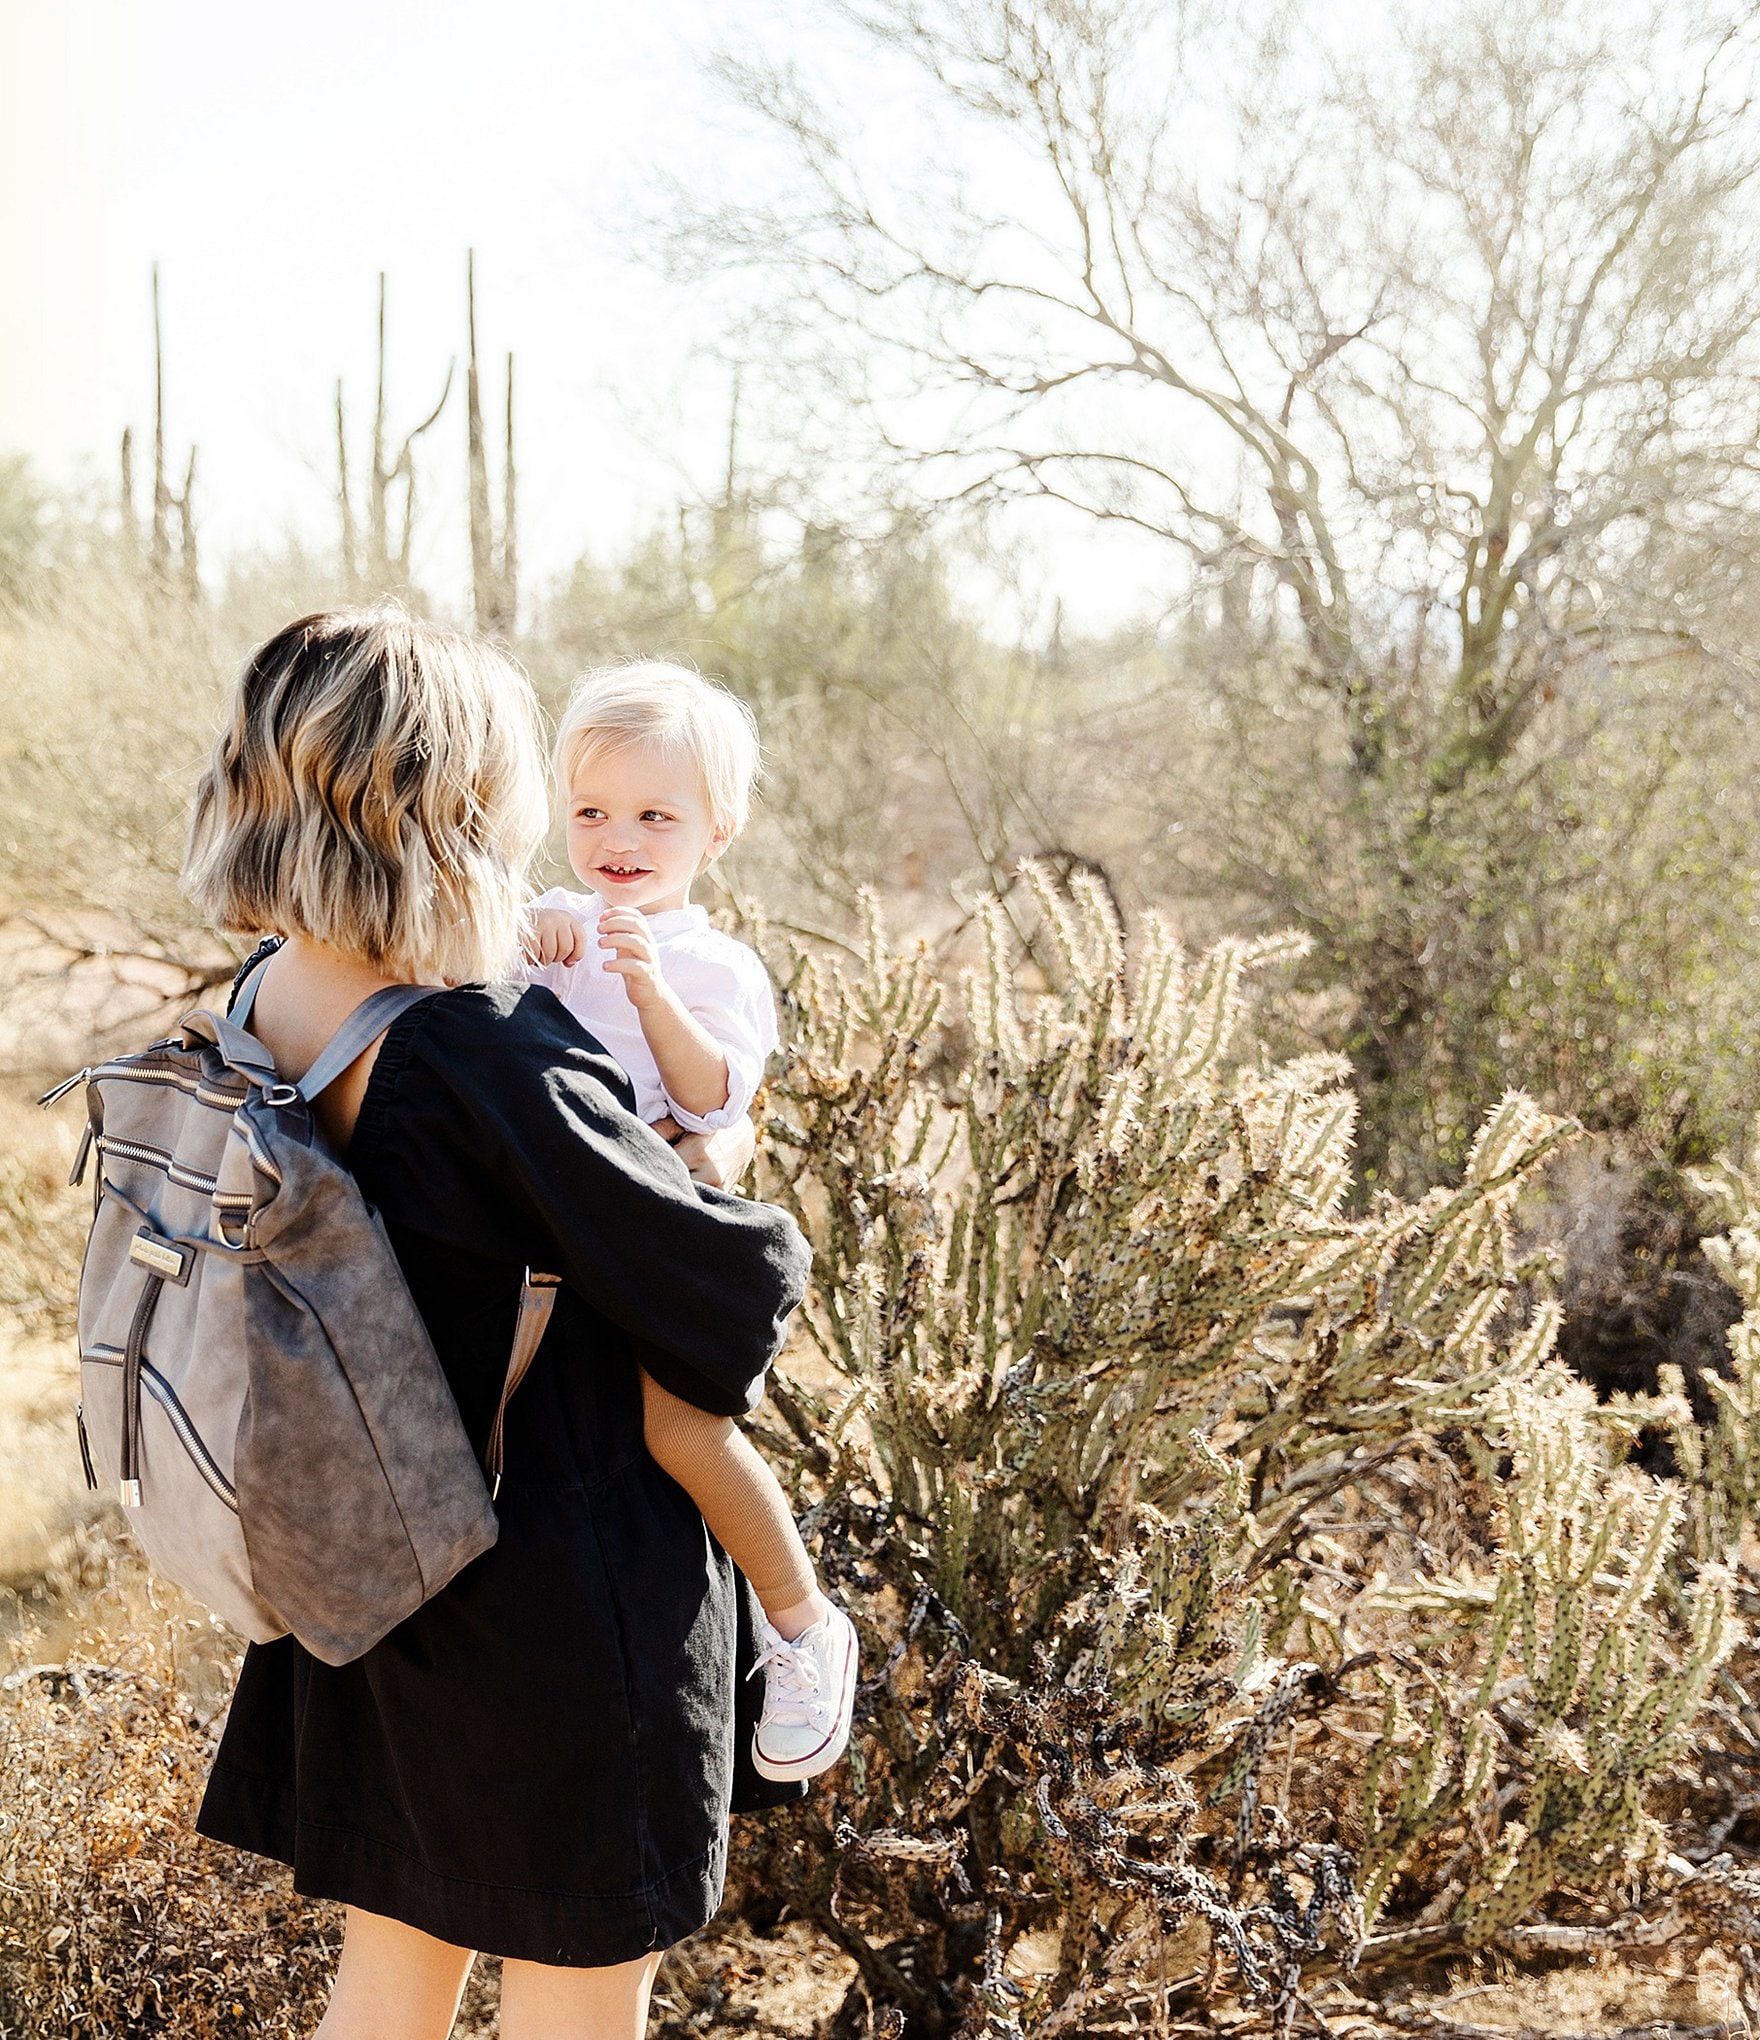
{"type": "Point", "coordinates": [721, 983]}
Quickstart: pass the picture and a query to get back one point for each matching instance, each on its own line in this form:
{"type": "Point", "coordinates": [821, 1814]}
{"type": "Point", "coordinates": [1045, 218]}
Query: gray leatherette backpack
{"type": "Point", "coordinates": [254, 1375]}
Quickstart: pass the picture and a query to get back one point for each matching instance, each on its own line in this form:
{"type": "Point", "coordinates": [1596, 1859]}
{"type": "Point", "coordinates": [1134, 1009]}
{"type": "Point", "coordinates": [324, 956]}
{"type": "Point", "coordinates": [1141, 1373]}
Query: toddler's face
{"type": "Point", "coordinates": [639, 828]}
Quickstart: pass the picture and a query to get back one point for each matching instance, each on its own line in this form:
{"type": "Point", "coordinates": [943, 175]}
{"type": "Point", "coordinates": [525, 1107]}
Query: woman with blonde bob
{"type": "Point", "coordinates": [539, 1763]}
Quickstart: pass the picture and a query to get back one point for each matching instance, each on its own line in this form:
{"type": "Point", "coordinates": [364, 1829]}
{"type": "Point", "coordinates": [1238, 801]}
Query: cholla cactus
{"type": "Point", "coordinates": [1575, 1682]}
{"type": "Point", "coordinates": [1095, 1330]}
{"type": "Point", "coordinates": [1720, 1462]}
{"type": "Point", "coordinates": [1113, 1256]}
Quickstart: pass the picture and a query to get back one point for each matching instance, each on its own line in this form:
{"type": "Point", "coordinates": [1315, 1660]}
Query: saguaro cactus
{"type": "Point", "coordinates": [494, 561]}
{"type": "Point", "coordinates": [381, 566]}
{"type": "Point", "coordinates": [173, 560]}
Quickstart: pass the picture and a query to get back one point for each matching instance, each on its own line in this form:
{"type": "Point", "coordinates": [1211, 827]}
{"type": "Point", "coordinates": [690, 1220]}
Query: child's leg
{"type": "Point", "coordinates": [741, 1500]}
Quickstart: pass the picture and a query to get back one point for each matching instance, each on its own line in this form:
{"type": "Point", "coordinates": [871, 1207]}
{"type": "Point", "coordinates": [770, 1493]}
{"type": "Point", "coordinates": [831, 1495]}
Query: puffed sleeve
{"type": "Point", "coordinates": [702, 1281]}
{"type": "Point", "coordinates": [725, 986]}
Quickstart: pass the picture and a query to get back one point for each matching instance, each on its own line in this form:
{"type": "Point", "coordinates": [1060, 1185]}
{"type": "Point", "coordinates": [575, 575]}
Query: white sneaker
{"type": "Point", "coordinates": [809, 1697]}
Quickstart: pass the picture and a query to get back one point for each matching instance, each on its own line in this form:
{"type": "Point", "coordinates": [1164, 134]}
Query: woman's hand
{"type": "Point", "coordinates": [718, 1159]}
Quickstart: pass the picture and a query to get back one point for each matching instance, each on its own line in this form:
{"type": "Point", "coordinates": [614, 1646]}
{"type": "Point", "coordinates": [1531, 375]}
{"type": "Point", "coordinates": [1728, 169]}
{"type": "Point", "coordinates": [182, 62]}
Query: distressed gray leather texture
{"type": "Point", "coordinates": [359, 1490]}
{"type": "Point", "coordinates": [290, 1366]}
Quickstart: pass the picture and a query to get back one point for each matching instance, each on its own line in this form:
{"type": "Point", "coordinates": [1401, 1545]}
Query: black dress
{"type": "Point", "coordinates": [540, 1761]}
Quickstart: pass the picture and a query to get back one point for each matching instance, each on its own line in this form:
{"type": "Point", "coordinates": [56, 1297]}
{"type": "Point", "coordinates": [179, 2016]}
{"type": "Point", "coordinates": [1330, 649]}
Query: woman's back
{"type": "Point", "coordinates": [538, 1761]}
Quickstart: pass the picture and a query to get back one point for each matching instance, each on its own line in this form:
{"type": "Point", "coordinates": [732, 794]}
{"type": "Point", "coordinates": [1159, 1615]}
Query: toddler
{"type": "Point", "coordinates": [656, 765]}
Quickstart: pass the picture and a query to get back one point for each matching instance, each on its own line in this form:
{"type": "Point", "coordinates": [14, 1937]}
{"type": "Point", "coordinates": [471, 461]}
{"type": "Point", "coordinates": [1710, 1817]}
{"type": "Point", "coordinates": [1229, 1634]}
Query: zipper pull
{"type": "Point", "coordinates": [85, 1448]}
{"type": "Point", "coordinates": [77, 1174]}
{"type": "Point", "coordinates": [61, 1089]}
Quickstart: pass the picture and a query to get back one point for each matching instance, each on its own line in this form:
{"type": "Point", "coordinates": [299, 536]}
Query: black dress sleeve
{"type": "Point", "coordinates": [702, 1281]}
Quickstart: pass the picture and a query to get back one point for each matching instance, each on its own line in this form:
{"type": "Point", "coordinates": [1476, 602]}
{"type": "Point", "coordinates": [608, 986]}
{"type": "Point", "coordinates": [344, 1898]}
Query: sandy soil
{"type": "Point", "coordinates": [728, 1984]}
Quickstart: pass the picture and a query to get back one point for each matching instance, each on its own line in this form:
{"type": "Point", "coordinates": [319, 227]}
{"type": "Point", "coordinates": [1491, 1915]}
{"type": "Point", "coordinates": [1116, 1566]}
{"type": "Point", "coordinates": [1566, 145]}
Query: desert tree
{"type": "Point", "coordinates": [1424, 346]}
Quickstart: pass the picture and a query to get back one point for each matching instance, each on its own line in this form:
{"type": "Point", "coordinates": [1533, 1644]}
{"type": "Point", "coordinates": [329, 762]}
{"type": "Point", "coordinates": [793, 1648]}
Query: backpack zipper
{"type": "Point", "coordinates": [169, 1166]}
{"type": "Point", "coordinates": [129, 1474]}
{"type": "Point", "coordinates": [61, 1089]}
{"type": "Point", "coordinates": [161, 1392]}
{"type": "Point", "coordinates": [135, 1151]}
{"type": "Point", "coordinates": [155, 1385]}
{"type": "Point", "coordinates": [230, 1097]}
{"type": "Point", "coordinates": [148, 1066]}
{"type": "Point", "coordinates": [77, 1174]}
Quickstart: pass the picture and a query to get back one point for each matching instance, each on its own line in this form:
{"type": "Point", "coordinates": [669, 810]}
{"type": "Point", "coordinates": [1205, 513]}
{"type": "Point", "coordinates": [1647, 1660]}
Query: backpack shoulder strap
{"type": "Point", "coordinates": [353, 1038]}
{"type": "Point", "coordinates": [356, 1034]}
{"type": "Point", "coordinates": [248, 980]}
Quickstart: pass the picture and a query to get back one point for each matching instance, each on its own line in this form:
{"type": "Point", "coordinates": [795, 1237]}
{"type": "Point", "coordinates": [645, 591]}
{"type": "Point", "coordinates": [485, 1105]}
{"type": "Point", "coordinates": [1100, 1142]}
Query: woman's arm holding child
{"type": "Point", "coordinates": [718, 1159]}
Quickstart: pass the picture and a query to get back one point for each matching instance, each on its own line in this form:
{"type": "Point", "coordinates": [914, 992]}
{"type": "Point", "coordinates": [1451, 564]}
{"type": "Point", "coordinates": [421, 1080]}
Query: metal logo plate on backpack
{"type": "Point", "coordinates": [160, 1256]}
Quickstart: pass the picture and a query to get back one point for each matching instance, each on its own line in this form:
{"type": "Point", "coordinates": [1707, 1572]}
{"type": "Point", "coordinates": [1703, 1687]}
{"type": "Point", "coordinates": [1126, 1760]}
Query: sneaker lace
{"type": "Point", "coordinates": [792, 1694]}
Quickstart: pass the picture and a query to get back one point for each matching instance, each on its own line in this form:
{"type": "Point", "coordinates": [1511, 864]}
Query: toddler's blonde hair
{"type": "Point", "coordinates": [651, 701]}
{"type": "Point", "coordinates": [378, 785]}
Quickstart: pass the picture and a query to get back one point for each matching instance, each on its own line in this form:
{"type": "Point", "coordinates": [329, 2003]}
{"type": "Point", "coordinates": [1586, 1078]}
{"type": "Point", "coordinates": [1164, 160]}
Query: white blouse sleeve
{"type": "Point", "coordinates": [727, 990]}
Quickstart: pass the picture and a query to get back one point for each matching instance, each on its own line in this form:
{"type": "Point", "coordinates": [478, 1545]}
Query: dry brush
{"type": "Point", "coordinates": [1252, 1607]}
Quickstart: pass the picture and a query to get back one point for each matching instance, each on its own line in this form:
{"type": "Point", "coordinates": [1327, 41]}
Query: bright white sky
{"type": "Point", "coordinates": [273, 160]}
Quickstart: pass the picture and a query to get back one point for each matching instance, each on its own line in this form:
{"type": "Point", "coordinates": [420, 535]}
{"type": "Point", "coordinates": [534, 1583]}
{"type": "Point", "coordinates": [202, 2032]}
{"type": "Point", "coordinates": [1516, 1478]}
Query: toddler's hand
{"type": "Point", "coordinates": [634, 958]}
{"type": "Point", "coordinates": [556, 937]}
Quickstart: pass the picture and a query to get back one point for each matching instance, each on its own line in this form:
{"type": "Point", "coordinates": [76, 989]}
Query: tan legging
{"type": "Point", "coordinates": [741, 1499]}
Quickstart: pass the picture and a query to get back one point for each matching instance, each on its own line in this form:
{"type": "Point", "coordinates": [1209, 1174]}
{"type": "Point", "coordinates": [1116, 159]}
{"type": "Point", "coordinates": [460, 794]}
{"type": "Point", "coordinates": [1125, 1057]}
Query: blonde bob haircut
{"type": "Point", "coordinates": [684, 715]}
{"type": "Point", "coordinates": [378, 786]}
